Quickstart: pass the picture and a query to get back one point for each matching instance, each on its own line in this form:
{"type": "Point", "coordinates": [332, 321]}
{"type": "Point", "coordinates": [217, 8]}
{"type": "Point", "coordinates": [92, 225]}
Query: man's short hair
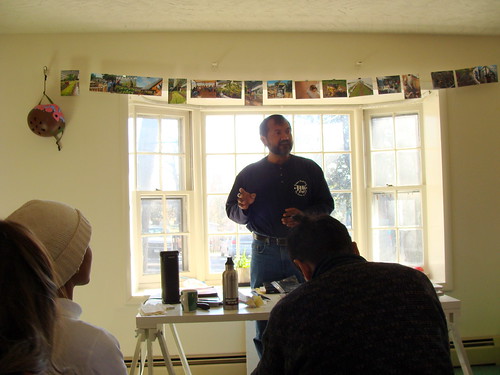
{"type": "Point", "coordinates": [316, 237]}
{"type": "Point", "coordinates": [278, 119]}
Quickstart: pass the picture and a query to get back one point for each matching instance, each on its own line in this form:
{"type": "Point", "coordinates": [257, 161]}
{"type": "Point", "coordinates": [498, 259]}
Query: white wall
{"type": "Point", "coordinates": [91, 170]}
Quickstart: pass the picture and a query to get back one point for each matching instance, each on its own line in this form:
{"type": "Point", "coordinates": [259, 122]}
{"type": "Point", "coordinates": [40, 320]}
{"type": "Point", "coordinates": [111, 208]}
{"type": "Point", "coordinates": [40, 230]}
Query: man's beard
{"type": "Point", "coordinates": [282, 149]}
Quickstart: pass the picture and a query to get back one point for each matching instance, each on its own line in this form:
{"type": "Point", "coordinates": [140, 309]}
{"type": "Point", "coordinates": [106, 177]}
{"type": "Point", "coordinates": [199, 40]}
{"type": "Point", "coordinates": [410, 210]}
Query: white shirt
{"type": "Point", "coordinates": [81, 348]}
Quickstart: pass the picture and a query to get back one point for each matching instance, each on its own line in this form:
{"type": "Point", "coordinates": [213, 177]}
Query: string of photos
{"type": "Point", "coordinates": [181, 90]}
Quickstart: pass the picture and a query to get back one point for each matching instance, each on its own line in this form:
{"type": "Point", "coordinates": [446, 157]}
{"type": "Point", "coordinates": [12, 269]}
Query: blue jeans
{"type": "Point", "coordinates": [269, 263]}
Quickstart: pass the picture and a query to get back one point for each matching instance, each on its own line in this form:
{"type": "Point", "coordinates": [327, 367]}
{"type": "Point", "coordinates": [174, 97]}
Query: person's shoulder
{"type": "Point", "coordinates": [396, 267]}
{"type": "Point", "coordinates": [295, 298]}
{"type": "Point", "coordinates": [406, 274]}
{"type": "Point", "coordinates": [82, 331]}
{"type": "Point", "coordinates": [300, 160]}
{"type": "Point", "coordinates": [255, 165]}
{"type": "Point", "coordinates": [102, 336]}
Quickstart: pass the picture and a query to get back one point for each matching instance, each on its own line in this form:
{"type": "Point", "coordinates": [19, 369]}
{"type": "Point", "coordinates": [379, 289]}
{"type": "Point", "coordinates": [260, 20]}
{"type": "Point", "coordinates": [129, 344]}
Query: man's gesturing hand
{"type": "Point", "coordinates": [245, 199]}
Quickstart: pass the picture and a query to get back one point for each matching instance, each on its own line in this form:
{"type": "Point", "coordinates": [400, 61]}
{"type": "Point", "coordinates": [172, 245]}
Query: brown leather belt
{"type": "Point", "coordinates": [270, 240]}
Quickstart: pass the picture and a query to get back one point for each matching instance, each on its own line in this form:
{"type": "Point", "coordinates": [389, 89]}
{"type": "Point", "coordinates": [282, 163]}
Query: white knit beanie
{"type": "Point", "coordinates": [63, 230]}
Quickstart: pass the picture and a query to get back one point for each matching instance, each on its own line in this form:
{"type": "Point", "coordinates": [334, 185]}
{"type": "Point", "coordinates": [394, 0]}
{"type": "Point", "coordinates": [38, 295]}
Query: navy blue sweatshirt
{"type": "Point", "coordinates": [298, 183]}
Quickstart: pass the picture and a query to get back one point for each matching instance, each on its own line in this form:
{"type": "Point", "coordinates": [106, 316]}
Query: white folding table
{"type": "Point", "coordinates": [150, 328]}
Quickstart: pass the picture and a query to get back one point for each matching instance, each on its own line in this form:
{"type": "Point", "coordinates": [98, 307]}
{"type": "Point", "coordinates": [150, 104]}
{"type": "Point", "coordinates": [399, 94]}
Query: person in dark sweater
{"type": "Point", "coordinates": [353, 316]}
{"type": "Point", "coordinates": [267, 195]}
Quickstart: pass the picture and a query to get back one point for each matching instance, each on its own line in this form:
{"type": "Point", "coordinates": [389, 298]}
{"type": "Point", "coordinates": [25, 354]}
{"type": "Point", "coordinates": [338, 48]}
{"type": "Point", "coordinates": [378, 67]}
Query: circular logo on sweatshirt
{"type": "Point", "coordinates": [300, 188]}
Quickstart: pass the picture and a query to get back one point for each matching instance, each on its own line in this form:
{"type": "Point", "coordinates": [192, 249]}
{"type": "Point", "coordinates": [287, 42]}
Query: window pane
{"type": "Point", "coordinates": [219, 133]}
{"type": "Point", "coordinates": [218, 247]}
{"type": "Point", "coordinates": [343, 208]}
{"type": "Point", "coordinates": [218, 178]}
{"type": "Point", "coordinates": [408, 167]}
{"type": "Point", "coordinates": [383, 168]}
{"type": "Point", "coordinates": [411, 247]}
{"type": "Point", "coordinates": [317, 158]}
{"type": "Point", "coordinates": [170, 129]}
{"type": "Point", "coordinates": [338, 171]}
{"type": "Point", "coordinates": [147, 135]}
{"type": "Point", "coordinates": [171, 177]}
{"type": "Point", "coordinates": [247, 133]}
{"type": "Point", "coordinates": [384, 211]}
{"type": "Point", "coordinates": [407, 134]}
{"type": "Point", "coordinates": [384, 246]}
{"type": "Point", "coordinates": [336, 133]}
{"type": "Point", "coordinates": [174, 222]}
{"type": "Point", "coordinates": [409, 209]}
{"type": "Point", "coordinates": [151, 247]}
{"type": "Point", "coordinates": [222, 247]}
{"type": "Point", "coordinates": [179, 243]}
{"type": "Point", "coordinates": [382, 133]}
{"type": "Point", "coordinates": [307, 133]}
{"type": "Point", "coordinates": [219, 222]}
{"type": "Point", "coordinates": [151, 216]}
{"type": "Point", "coordinates": [148, 172]}
{"type": "Point", "coordinates": [244, 245]}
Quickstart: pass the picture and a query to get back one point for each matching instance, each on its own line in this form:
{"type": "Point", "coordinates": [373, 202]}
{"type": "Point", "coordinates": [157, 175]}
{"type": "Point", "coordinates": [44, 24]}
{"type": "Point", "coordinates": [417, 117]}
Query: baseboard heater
{"type": "Point", "coordinates": [480, 351]}
{"type": "Point", "coordinates": [198, 360]}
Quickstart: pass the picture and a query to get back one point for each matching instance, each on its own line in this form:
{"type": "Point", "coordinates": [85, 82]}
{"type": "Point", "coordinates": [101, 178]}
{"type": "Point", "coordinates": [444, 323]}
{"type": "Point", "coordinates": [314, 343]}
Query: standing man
{"type": "Point", "coordinates": [268, 195]}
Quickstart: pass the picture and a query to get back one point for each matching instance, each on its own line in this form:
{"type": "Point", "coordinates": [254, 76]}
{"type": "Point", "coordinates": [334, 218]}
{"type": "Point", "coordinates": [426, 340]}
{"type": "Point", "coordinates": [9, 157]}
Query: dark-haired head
{"type": "Point", "coordinates": [317, 237]}
{"type": "Point", "coordinates": [277, 119]}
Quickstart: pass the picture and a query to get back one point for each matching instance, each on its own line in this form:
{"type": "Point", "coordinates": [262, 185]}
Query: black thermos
{"type": "Point", "coordinates": [169, 264]}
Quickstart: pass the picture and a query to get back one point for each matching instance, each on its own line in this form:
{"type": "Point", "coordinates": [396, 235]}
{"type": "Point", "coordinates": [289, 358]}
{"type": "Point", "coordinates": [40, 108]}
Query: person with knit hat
{"type": "Point", "coordinates": [79, 347]}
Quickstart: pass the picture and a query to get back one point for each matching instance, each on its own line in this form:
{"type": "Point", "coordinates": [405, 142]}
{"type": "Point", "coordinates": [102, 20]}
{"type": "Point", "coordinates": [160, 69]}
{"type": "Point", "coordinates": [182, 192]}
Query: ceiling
{"type": "Point", "coordinates": [464, 17]}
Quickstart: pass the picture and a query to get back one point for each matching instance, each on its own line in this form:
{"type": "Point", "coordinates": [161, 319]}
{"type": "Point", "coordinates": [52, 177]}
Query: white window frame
{"type": "Point", "coordinates": [143, 283]}
{"type": "Point", "coordinates": [434, 199]}
{"type": "Point", "coordinates": [437, 244]}
{"type": "Point", "coordinates": [395, 188]}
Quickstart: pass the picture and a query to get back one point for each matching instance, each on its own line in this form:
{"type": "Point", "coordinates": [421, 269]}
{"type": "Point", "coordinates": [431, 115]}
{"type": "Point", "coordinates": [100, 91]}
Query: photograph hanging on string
{"type": "Point", "coordinates": [360, 87]}
{"type": "Point", "coordinates": [443, 80]}
{"type": "Point", "coordinates": [122, 84]}
{"type": "Point", "coordinates": [203, 89]}
{"type": "Point", "coordinates": [70, 82]}
{"type": "Point", "coordinates": [279, 90]}
{"type": "Point", "coordinates": [229, 89]}
{"type": "Point", "coordinates": [490, 73]}
{"type": "Point", "coordinates": [411, 86]}
{"type": "Point", "coordinates": [177, 90]}
{"type": "Point", "coordinates": [254, 93]}
{"type": "Point", "coordinates": [467, 77]}
{"type": "Point", "coordinates": [307, 90]}
{"type": "Point", "coordinates": [334, 88]}
{"type": "Point", "coordinates": [476, 75]}
{"type": "Point", "coordinates": [389, 85]}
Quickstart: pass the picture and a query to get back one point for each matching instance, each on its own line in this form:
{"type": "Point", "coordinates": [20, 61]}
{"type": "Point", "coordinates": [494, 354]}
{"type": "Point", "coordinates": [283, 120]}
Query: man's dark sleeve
{"type": "Point", "coordinates": [233, 212]}
{"type": "Point", "coordinates": [322, 198]}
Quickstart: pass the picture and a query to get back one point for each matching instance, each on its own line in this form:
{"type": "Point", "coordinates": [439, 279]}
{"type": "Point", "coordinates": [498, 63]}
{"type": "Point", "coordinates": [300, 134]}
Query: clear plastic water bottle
{"type": "Point", "coordinates": [230, 286]}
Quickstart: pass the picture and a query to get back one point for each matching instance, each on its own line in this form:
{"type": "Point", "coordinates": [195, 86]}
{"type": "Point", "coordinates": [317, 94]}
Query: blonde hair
{"type": "Point", "coordinates": [28, 311]}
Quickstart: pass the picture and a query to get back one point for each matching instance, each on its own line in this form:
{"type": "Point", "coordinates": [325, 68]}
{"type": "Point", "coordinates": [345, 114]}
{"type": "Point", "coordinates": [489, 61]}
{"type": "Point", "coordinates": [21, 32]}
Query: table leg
{"type": "Point", "coordinates": [149, 349]}
{"type": "Point", "coordinates": [164, 351]}
{"type": "Point", "coordinates": [182, 355]}
{"type": "Point", "coordinates": [141, 337]}
{"type": "Point", "coordinates": [459, 346]}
